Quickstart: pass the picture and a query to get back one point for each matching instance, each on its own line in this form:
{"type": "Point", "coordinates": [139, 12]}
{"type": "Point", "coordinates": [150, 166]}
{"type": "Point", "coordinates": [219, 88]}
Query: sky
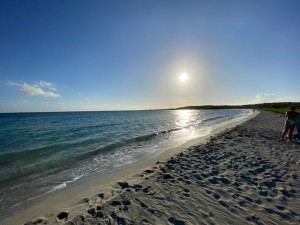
{"type": "Point", "coordinates": [70, 55]}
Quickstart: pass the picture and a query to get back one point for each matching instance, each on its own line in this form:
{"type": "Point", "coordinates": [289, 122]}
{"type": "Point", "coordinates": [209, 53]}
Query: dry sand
{"type": "Point", "coordinates": [243, 175]}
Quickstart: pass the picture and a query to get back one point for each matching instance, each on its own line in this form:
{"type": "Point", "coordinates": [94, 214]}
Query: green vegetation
{"type": "Point", "coordinates": [280, 107]}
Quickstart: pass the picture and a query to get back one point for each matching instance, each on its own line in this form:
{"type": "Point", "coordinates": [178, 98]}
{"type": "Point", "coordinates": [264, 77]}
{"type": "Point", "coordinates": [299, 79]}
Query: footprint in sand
{"type": "Point", "coordinates": [286, 193]}
{"type": "Point", "coordinates": [115, 203]}
{"type": "Point", "coordinates": [186, 192]}
{"type": "Point", "coordinates": [213, 181]}
{"type": "Point", "coordinates": [63, 216]}
{"type": "Point", "coordinates": [281, 214]}
{"type": "Point", "coordinates": [101, 195]}
{"type": "Point", "coordinates": [280, 207]}
{"type": "Point", "coordinates": [249, 199]}
{"type": "Point", "coordinates": [175, 221]}
{"type": "Point", "coordinates": [37, 221]}
{"type": "Point", "coordinates": [216, 196]}
{"type": "Point", "coordinates": [149, 191]}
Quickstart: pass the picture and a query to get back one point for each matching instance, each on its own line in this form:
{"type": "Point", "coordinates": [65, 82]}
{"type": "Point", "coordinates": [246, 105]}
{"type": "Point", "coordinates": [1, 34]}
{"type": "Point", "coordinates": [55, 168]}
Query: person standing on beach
{"type": "Point", "coordinates": [289, 125]}
{"type": "Point", "coordinates": [297, 125]}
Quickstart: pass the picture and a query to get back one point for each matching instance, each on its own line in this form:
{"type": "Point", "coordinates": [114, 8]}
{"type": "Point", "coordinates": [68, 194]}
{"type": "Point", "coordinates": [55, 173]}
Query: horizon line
{"type": "Point", "coordinates": [176, 108]}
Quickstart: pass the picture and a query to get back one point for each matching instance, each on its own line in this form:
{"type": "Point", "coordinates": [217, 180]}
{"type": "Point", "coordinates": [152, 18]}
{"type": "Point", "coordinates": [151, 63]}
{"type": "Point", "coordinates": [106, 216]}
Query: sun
{"type": "Point", "coordinates": [183, 77]}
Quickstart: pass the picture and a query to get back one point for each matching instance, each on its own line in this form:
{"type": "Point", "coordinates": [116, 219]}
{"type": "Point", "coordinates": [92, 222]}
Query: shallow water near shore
{"type": "Point", "coordinates": [43, 152]}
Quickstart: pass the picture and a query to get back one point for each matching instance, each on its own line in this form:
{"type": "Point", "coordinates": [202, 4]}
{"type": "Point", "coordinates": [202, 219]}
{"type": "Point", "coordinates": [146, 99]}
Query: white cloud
{"type": "Point", "coordinates": [46, 84]}
{"type": "Point", "coordinates": [42, 88]}
{"type": "Point", "coordinates": [33, 90]}
{"type": "Point", "coordinates": [265, 98]}
{"type": "Point", "coordinates": [10, 83]}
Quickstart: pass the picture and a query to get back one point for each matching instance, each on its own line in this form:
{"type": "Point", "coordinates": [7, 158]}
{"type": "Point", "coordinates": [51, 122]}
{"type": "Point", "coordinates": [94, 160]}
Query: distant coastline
{"type": "Point", "coordinates": [274, 107]}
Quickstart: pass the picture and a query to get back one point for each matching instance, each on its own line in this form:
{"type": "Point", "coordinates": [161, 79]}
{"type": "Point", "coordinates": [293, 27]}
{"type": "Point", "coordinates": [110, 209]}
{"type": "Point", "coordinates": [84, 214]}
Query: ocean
{"type": "Point", "coordinates": [44, 152]}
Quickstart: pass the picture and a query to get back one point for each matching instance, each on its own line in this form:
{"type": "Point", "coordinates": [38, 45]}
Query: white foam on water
{"type": "Point", "coordinates": [64, 184]}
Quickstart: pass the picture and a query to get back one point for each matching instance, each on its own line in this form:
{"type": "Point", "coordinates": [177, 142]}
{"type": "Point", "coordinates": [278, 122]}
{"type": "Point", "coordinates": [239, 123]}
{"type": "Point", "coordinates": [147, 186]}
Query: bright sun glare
{"type": "Point", "coordinates": [183, 77]}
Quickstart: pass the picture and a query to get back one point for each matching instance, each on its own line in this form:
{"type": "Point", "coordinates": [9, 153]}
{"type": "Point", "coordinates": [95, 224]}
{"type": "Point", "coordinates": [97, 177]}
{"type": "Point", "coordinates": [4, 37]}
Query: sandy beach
{"type": "Point", "coordinates": [242, 175]}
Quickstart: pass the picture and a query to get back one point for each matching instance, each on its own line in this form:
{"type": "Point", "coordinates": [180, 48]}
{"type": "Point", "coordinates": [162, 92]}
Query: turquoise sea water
{"type": "Point", "coordinates": [43, 152]}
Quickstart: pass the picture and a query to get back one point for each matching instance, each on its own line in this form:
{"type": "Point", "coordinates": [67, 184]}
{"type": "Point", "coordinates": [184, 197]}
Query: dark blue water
{"type": "Point", "coordinates": [46, 151]}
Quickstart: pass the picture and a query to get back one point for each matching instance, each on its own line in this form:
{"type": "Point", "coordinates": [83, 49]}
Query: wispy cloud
{"type": "Point", "coordinates": [42, 88]}
{"type": "Point", "coordinates": [34, 90]}
{"type": "Point", "coordinates": [264, 98]}
{"type": "Point", "coordinates": [46, 84]}
{"type": "Point", "coordinates": [10, 83]}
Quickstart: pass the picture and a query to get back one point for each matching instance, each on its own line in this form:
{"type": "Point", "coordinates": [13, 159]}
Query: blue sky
{"type": "Point", "coordinates": [116, 55]}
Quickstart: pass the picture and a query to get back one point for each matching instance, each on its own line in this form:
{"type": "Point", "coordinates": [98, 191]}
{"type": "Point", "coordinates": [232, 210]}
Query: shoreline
{"type": "Point", "coordinates": [62, 149]}
{"type": "Point", "coordinates": [100, 196]}
{"type": "Point", "coordinates": [85, 187]}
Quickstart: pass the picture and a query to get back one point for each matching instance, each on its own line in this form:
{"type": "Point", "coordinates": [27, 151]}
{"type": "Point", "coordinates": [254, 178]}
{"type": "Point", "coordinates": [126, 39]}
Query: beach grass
{"type": "Point", "coordinates": [278, 107]}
